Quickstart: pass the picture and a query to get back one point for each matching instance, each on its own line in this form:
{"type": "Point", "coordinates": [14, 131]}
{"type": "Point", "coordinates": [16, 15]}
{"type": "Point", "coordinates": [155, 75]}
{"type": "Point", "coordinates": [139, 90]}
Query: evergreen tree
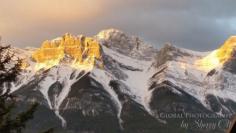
{"type": "Point", "coordinates": [9, 69]}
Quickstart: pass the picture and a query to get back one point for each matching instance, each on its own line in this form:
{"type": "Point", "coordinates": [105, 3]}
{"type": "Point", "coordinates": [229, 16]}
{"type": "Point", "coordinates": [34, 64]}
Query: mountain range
{"type": "Point", "coordinates": [117, 83]}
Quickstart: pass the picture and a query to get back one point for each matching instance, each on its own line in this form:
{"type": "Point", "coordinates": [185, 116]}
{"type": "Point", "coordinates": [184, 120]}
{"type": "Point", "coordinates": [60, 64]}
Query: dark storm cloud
{"type": "Point", "coordinates": [190, 24]}
{"type": "Point", "coordinates": [194, 24]}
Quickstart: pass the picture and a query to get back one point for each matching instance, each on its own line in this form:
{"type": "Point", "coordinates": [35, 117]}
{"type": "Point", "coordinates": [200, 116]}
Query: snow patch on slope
{"type": "Point", "coordinates": [137, 81]}
{"type": "Point", "coordinates": [61, 74]}
{"type": "Point", "coordinates": [104, 78]}
{"type": "Point", "coordinates": [184, 73]}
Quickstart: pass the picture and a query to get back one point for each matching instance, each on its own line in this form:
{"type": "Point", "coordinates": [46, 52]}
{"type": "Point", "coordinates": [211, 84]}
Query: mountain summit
{"type": "Point", "coordinates": [83, 52]}
{"type": "Point", "coordinates": [114, 83]}
{"type": "Point", "coordinates": [219, 56]}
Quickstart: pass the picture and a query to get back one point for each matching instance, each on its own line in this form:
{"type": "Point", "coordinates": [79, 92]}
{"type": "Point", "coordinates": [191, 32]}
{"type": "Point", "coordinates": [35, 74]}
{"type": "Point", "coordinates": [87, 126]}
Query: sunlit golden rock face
{"type": "Point", "coordinates": [219, 56]}
{"type": "Point", "coordinates": [78, 52]}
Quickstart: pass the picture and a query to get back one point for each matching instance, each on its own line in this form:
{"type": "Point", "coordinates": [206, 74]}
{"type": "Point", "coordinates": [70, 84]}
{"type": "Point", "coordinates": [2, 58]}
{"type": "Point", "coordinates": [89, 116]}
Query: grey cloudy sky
{"type": "Point", "coordinates": [194, 24]}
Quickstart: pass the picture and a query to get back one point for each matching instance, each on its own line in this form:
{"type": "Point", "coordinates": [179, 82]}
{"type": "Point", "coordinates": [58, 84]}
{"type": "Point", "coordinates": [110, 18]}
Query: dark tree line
{"type": "Point", "coordinates": [10, 67]}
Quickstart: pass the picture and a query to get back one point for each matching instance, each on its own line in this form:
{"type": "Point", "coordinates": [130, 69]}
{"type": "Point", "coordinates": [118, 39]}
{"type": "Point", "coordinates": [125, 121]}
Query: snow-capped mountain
{"type": "Point", "coordinates": [131, 87]}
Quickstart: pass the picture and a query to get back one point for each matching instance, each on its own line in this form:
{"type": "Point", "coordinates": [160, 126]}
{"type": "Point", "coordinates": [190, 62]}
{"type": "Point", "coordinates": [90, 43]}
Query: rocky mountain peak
{"type": "Point", "coordinates": [225, 55]}
{"type": "Point", "coordinates": [169, 53]}
{"type": "Point", "coordinates": [128, 45]}
{"type": "Point", "coordinates": [79, 52]}
{"type": "Point", "coordinates": [230, 64]}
